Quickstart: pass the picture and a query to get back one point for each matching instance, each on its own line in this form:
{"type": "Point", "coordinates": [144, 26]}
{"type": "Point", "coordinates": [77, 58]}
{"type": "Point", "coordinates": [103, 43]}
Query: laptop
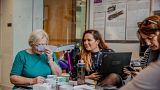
{"type": "Point", "coordinates": [114, 62]}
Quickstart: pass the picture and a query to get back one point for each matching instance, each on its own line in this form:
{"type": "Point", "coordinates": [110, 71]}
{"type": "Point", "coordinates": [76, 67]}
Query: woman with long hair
{"type": "Point", "coordinates": [92, 51]}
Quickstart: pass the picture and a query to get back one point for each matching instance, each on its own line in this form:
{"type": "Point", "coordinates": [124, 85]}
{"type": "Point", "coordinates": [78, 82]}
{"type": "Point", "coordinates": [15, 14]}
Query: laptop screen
{"type": "Point", "coordinates": [113, 62]}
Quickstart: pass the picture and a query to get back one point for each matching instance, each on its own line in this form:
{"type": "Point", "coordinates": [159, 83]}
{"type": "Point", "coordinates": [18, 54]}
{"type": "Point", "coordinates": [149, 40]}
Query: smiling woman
{"type": "Point", "coordinates": [92, 52]}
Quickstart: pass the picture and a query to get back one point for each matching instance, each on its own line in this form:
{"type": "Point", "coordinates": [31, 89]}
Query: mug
{"type": "Point", "coordinates": [51, 79]}
{"type": "Point", "coordinates": [61, 80]}
{"type": "Point", "coordinates": [66, 76]}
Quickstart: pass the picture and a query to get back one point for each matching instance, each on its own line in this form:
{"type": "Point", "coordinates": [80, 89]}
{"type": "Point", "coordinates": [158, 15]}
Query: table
{"type": "Point", "coordinates": [47, 86]}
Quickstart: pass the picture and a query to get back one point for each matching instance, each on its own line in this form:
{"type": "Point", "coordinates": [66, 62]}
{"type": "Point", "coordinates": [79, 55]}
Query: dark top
{"type": "Point", "coordinates": [97, 59]}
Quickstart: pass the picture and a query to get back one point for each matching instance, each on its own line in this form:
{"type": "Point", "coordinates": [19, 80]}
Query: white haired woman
{"type": "Point", "coordinates": [32, 65]}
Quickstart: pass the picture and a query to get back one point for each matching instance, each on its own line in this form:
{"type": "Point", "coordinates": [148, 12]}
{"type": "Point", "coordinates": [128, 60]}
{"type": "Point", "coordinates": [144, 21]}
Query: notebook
{"type": "Point", "coordinates": [114, 62]}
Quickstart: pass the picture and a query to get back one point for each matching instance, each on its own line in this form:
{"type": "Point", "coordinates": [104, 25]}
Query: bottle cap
{"type": "Point", "coordinates": [80, 61]}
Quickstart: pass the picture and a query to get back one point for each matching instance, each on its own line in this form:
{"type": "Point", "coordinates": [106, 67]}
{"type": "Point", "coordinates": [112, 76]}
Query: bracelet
{"type": "Point", "coordinates": [50, 61]}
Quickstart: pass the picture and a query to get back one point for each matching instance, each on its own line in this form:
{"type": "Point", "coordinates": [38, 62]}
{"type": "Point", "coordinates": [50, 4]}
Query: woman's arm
{"type": "Point", "coordinates": [93, 76]}
{"type": "Point", "coordinates": [148, 79]}
{"type": "Point", "coordinates": [53, 65]}
{"type": "Point", "coordinates": [23, 81]}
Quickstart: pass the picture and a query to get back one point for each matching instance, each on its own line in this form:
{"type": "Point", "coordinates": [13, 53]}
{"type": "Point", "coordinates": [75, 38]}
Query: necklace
{"type": "Point", "coordinates": [95, 61]}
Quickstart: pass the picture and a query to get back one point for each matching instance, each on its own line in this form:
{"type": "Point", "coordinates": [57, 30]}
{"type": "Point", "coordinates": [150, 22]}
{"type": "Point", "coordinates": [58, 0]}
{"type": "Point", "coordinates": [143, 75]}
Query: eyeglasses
{"type": "Point", "coordinates": [40, 47]}
{"type": "Point", "coordinates": [37, 44]}
{"type": "Point", "coordinates": [147, 22]}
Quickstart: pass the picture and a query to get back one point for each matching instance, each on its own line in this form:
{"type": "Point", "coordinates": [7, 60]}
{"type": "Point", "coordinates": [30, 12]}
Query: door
{"type": "Point", "coordinates": [59, 21]}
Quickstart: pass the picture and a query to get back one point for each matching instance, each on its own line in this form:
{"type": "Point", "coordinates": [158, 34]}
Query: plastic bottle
{"type": "Point", "coordinates": [80, 72]}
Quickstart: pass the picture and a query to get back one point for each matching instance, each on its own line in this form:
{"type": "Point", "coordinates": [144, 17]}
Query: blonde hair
{"type": "Point", "coordinates": [36, 35]}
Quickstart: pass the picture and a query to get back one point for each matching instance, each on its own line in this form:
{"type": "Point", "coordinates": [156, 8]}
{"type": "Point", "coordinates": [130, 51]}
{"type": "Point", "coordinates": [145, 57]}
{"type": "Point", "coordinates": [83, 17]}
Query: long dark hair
{"type": "Point", "coordinates": [86, 55]}
{"type": "Point", "coordinates": [96, 36]}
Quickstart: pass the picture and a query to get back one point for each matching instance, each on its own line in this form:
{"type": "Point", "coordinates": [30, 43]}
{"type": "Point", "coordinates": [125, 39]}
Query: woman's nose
{"type": "Point", "coordinates": [86, 42]}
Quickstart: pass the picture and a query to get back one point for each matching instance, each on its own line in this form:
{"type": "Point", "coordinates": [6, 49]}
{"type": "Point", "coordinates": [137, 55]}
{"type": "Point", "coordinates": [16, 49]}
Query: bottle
{"type": "Point", "coordinates": [74, 56]}
{"type": "Point", "coordinates": [80, 72]}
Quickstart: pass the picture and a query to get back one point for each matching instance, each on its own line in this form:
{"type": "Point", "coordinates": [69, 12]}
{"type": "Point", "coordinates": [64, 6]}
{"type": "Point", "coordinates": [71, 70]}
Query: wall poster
{"type": "Point", "coordinates": [117, 19]}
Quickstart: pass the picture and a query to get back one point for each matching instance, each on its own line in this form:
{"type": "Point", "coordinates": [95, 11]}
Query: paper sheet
{"type": "Point", "coordinates": [117, 19]}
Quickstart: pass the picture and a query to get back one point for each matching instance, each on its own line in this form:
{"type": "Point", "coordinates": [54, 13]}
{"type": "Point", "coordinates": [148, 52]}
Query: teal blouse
{"type": "Point", "coordinates": [31, 65]}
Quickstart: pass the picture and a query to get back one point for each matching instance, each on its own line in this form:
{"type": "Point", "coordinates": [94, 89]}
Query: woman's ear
{"type": "Point", "coordinates": [97, 41]}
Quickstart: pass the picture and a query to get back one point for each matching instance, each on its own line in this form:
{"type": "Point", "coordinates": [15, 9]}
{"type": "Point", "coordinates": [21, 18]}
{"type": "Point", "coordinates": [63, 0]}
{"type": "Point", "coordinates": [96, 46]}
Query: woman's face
{"type": "Point", "coordinates": [90, 43]}
{"type": "Point", "coordinates": [39, 45]}
{"type": "Point", "coordinates": [151, 40]}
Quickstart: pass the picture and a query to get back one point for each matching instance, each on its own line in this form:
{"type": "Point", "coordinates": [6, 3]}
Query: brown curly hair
{"type": "Point", "coordinates": [148, 26]}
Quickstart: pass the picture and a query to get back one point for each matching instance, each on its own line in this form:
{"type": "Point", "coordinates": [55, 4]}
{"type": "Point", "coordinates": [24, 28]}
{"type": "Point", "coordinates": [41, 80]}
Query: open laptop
{"type": "Point", "coordinates": [114, 62]}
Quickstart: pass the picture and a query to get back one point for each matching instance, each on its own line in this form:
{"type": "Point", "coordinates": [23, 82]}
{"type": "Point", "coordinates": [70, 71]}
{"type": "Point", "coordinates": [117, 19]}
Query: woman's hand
{"type": "Point", "coordinates": [54, 67]}
{"type": "Point", "coordinates": [24, 81]}
{"type": "Point", "coordinates": [93, 76]}
{"type": "Point", "coordinates": [134, 73]}
{"type": "Point", "coordinates": [49, 53]}
{"type": "Point", "coordinates": [126, 72]}
{"type": "Point", "coordinates": [38, 79]}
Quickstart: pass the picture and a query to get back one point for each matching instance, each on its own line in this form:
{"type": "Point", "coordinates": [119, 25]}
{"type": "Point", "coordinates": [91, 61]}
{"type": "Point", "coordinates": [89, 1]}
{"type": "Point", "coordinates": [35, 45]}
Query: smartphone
{"type": "Point", "coordinates": [129, 68]}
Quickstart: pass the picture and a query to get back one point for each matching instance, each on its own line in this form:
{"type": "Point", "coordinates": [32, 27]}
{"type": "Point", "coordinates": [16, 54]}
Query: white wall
{"type": "Point", "coordinates": [37, 14]}
{"type": "Point", "coordinates": [22, 23]}
{"type": "Point", "coordinates": [6, 41]}
{"type": "Point", "coordinates": [155, 5]}
{"type": "Point", "coordinates": [126, 47]}
{"type": "Point", "coordinates": [25, 16]}
{"type": "Point", "coordinates": [28, 16]}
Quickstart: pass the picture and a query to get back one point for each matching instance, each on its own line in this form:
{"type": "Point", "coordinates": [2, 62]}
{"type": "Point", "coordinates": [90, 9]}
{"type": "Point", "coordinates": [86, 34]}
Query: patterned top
{"type": "Point", "coordinates": [148, 57]}
{"type": "Point", "coordinates": [144, 61]}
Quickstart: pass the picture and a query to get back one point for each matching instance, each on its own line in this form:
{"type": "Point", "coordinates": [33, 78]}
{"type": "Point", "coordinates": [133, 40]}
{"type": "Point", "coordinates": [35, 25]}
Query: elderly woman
{"type": "Point", "coordinates": [32, 65]}
{"type": "Point", "coordinates": [148, 79]}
